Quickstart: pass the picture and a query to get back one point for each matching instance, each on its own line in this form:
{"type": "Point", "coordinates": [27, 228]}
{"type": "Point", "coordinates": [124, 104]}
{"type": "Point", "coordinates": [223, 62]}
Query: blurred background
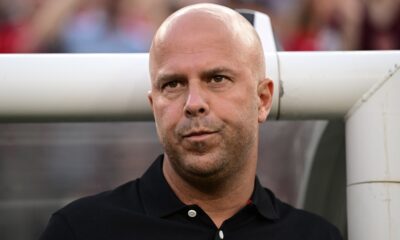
{"type": "Point", "coordinates": [73, 26]}
{"type": "Point", "coordinates": [43, 166]}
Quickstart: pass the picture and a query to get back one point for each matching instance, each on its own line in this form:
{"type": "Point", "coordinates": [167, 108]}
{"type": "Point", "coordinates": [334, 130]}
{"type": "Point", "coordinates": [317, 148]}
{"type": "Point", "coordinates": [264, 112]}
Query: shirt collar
{"type": "Point", "coordinates": [157, 196]}
{"type": "Point", "coordinates": [159, 199]}
{"type": "Point", "coordinates": [265, 202]}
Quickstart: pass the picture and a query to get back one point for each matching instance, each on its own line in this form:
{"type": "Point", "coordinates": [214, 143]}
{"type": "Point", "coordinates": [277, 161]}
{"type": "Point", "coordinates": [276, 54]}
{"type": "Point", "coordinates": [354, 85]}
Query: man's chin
{"type": "Point", "coordinates": [202, 165]}
{"type": "Point", "coordinates": [197, 148]}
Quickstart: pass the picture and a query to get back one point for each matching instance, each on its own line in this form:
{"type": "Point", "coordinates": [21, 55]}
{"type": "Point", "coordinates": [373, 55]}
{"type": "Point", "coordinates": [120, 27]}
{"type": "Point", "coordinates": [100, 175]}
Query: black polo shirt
{"type": "Point", "coordinates": [147, 208]}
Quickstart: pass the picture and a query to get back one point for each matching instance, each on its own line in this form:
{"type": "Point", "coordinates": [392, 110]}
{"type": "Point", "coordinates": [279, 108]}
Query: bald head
{"type": "Point", "coordinates": [219, 24]}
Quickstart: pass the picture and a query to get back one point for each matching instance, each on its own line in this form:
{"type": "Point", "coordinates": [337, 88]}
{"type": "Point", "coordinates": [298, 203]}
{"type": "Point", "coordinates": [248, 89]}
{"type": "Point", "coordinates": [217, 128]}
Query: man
{"type": "Point", "coordinates": [209, 94]}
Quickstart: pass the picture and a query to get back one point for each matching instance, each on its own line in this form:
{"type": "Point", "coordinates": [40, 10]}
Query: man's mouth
{"type": "Point", "coordinates": [198, 135]}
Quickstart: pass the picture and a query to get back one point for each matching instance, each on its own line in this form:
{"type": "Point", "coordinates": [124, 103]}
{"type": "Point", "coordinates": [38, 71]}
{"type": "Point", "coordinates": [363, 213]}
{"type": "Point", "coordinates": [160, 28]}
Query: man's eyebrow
{"type": "Point", "coordinates": [216, 71]}
{"type": "Point", "coordinates": [163, 78]}
{"type": "Point", "coordinates": [167, 77]}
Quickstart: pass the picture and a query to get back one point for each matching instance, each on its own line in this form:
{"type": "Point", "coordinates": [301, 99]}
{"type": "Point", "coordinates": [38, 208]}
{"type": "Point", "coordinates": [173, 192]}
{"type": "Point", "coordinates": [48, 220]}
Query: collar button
{"type": "Point", "coordinates": [221, 234]}
{"type": "Point", "coordinates": [192, 213]}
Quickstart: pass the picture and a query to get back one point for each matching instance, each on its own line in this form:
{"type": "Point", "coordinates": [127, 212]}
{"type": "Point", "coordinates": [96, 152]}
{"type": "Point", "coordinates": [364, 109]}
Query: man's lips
{"type": "Point", "coordinates": [198, 134]}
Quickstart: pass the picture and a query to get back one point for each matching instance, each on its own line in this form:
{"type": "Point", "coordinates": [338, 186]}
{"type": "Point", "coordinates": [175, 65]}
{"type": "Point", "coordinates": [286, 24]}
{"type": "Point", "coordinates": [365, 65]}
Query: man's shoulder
{"type": "Point", "coordinates": [121, 198]}
{"type": "Point", "coordinates": [100, 216]}
{"type": "Point", "coordinates": [306, 223]}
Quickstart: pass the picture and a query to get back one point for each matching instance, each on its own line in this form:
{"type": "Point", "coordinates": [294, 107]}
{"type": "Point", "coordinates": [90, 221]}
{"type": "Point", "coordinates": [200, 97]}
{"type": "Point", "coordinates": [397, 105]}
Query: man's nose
{"type": "Point", "coordinates": [196, 103]}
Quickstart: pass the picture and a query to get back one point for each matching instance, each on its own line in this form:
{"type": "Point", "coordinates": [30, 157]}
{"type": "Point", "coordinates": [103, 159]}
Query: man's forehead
{"type": "Point", "coordinates": [197, 61]}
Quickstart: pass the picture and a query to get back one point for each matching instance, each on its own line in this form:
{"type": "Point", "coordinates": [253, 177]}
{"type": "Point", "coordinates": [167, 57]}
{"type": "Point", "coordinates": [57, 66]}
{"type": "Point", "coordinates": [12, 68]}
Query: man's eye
{"type": "Point", "coordinates": [171, 84]}
{"type": "Point", "coordinates": [218, 79]}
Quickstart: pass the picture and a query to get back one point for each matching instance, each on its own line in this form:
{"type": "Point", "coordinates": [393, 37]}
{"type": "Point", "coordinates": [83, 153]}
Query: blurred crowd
{"type": "Point", "coordinates": [73, 26]}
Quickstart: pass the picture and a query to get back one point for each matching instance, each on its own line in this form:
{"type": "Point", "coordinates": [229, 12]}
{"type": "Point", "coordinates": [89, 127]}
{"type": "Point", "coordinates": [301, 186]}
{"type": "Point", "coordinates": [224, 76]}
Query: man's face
{"type": "Point", "coordinates": [205, 102]}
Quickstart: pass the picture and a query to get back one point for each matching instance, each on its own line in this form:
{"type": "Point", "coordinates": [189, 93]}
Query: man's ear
{"type": "Point", "coordinates": [150, 98]}
{"type": "Point", "coordinates": [265, 91]}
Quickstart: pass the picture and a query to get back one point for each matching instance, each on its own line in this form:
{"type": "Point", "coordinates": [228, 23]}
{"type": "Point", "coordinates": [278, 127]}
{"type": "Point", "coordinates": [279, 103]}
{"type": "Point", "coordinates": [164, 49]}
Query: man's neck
{"type": "Point", "coordinates": [220, 203]}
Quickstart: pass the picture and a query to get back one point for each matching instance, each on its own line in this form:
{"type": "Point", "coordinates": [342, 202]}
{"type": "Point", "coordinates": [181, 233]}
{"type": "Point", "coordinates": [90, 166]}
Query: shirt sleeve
{"type": "Point", "coordinates": [57, 229]}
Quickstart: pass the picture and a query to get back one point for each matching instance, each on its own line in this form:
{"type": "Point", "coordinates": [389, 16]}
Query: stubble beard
{"type": "Point", "coordinates": [209, 168]}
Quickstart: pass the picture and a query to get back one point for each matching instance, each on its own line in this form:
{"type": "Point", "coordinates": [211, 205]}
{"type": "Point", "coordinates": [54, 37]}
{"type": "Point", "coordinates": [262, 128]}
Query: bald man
{"type": "Point", "coordinates": [209, 93]}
